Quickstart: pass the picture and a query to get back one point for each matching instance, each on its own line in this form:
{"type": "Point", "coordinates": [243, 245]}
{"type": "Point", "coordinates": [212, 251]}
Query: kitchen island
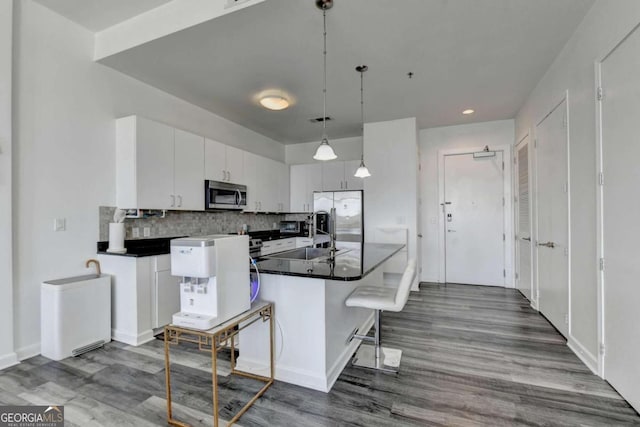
{"type": "Point", "coordinates": [313, 325]}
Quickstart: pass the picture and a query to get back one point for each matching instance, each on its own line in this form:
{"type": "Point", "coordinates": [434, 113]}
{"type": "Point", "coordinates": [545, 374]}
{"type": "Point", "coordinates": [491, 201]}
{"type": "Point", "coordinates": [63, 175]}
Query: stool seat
{"type": "Point", "coordinates": [380, 298]}
{"type": "Point", "coordinates": [374, 297]}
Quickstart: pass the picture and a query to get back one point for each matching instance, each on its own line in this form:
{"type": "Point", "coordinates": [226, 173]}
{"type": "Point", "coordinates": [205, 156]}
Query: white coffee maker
{"type": "Point", "coordinates": [215, 279]}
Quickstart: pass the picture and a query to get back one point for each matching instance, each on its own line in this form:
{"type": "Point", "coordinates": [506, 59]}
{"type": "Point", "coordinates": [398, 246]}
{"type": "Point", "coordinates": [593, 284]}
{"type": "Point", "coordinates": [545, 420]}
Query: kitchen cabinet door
{"type": "Point", "coordinates": [153, 147]}
{"type": "Point", "coordinates": [298, 198]}
{"type": "Point", "coordinates": [214, 160]}
{"type": "Point", "coordinates": [314, 182]}
{"type": "Point", "coordinates": [235, 165]}
{"type": "Point", "coordinates": [333, 176]}
{"type": "Point", "coordinates": [268, 185]}
{"type": "Point", "coordinates": [283, 187]}
{"type": "Point", "coordinates": [188, 171]}
{"type": "Point", "coordinates": [352, 182]}
{"type": "Point", "coordinates": [250, 163]}
{"type": "Point", "coordinates": [167, 298]}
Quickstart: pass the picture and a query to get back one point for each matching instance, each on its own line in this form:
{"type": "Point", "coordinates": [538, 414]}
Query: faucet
{"type": "Point", "coordinates": [96, 263]}
{"type": "Point", "coordinates": [331, 233]}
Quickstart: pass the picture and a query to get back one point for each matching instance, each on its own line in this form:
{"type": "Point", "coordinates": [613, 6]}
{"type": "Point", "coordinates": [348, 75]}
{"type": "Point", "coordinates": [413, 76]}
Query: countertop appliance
{"type": "Point", "coordinates": [224, 195]}
{"type": "Point", "coordinates": [292, 228]}
{"type": "Point", "coordinates": [349, 215]}
{"type": "Point", "coordinates": [215, 279]}
{"type": "Point", "coordinates": [255, 248]}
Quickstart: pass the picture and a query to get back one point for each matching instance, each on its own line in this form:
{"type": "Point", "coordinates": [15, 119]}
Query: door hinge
{"type": "Point", "coordinates": [565, 187]}
{"type": "Point", "coordinates": [564, 121]}
{"type": "Point", "coordinates": [601, 264]}
{"type": "Point", "coordinates": [502, 165]}
{"type": "Point", "coordinates": [503, 201]}
{"type": "Point", "coordinates": [601, 179]}
{"type": "Point", "coordinates": [515, 160]}
{"type": "Point", "coordinates": [603, 348]}
{"type": "Point", "coordinates": [503, 237]}
{"type": "Point", "coordinates": [504, 273]}
{"type": "Point", "coordinates": [517, 276]}
{"type": "Point", "coordinates": [600, 94]}
{"type": "Point", "coordinates": [535, 143]}
{"type": "Point", "coordinates": [566, 319]}
{"type": "Point", "coordinates": [515, 199]}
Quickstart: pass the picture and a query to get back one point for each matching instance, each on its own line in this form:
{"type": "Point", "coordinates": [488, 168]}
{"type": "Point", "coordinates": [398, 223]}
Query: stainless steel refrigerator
{"type": "Point", "coordinates": [349, 214]}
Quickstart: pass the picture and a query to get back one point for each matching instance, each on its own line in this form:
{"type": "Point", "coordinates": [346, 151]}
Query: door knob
{"type": "Point", "coordinates": [547, 244]}
{"type": "Point", "coordinates": [451, 231]}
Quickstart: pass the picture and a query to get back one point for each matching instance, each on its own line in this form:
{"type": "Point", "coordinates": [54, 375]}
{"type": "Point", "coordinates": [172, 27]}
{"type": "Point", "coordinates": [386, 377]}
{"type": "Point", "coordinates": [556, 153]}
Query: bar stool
{"type": "Point", "coordinates": [381, 298]}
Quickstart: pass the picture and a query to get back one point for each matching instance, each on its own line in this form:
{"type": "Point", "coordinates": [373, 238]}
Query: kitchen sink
{"type": "Point", "coordinates": [308, 254]}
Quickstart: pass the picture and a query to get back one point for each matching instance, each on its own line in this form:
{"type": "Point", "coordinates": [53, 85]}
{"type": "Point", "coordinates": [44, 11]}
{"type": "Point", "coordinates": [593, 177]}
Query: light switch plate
{"type": "Point", "coordinates": [147, 231]}
{"type": "Point", "coordinates": [135, 231]}
{"type": "Point", "coordinates": [59, 224]}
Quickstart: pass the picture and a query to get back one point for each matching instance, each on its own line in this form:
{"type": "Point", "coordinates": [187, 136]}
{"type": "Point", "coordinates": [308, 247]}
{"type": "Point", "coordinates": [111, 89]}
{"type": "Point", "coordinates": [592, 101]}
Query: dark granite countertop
{"type": "Point", "coordinates": [141, 247]}
{"type": "Point", "coordinates": [351, 264]}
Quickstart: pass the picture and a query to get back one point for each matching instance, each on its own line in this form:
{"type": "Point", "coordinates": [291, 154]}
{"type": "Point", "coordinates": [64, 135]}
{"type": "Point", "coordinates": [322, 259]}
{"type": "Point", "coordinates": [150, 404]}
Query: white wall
{"type": "Point", "coordinates": [391, 192]}
{"type": "Point", "coordinates": [7, 355]}
{"type": "Point", "coordinates": [64, 151]}
{"type": "Point", "coordinates": [345, 149]}
{"type": "Point", "coordinates": [431, 142]}
{"type": "Point", "coordinates": [602, 28]}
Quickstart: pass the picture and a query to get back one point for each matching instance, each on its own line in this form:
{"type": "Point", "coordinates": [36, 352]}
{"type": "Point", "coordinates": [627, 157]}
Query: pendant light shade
{"type": "Point", "coordinates": [324, 151]}
{"type": "Point", "coordinates": [362, 171]}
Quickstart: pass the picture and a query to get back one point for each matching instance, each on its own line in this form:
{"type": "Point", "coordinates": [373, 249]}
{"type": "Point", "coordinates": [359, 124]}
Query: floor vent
{"type": "Point", "coordinates": [81, 350]}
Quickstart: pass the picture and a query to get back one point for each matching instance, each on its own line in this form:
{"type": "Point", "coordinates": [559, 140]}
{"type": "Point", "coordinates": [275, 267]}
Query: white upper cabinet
{"type": "Point", "coordinates": [265, 179]}
{"type": "Point", "coordinates": [283, 187]}
{"type": "Point", "coordinates": [338, 175]}
{"type": "Point", "coordinates": [148, 175]}
{"type": "Point", "coordinates": [352, 182]}
{"type": "Point", "coordinates": [250, 163]}
{"type": "Point", "coordinates": [188, 173]}
{"type": "Point", "coordinates": [223, 163]}
{"type": "Point", "coordinates": [304, 179]}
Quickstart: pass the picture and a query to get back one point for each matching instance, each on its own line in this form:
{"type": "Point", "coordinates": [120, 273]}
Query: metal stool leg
{"type": "Point", "coordinates": [372, 356]}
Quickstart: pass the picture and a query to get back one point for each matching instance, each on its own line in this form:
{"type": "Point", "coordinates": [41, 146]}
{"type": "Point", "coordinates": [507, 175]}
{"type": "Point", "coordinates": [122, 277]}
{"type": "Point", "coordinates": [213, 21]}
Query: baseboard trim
{"type": "Point", "coordinates": [583, 354]}
{"type": "Point", "coordinates": [28, 351]}
{"type": "Point", "coordinates": [287, 374]}
{"type": "Point", "coordinates": [7, 360]}
{"type": "Point", "coordinates": [134, 340]}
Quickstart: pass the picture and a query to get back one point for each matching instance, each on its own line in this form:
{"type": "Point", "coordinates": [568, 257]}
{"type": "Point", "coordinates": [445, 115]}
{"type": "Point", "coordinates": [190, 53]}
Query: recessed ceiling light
{"type": "Point", "coordinates": [469, 111]}
{"type": "Point", "coordinates": [274, 102]}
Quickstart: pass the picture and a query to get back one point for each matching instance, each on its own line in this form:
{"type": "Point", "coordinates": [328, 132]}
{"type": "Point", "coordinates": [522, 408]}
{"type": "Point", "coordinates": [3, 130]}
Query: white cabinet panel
{"type": "Point", "coordinates": [167, 298]}
{"type": "Point", "coordinates": [352, 182]}
{"type": "Point", "coordinates": [298, 189]}
{"type": "Point", "coordinates": [214, 160]}
{"type": "Point", "coordinates": [251, 181]}
{"type": "Point", "coordinates": [188, 171]}
{"type": "Point", "coordinates": [283, 187]}
{"type": "Point", "coordinates": [333, 176]}
{"type": "Point", "coordinates": [235, 165]}
{"type": "Point", "coordinates": [314, 181]}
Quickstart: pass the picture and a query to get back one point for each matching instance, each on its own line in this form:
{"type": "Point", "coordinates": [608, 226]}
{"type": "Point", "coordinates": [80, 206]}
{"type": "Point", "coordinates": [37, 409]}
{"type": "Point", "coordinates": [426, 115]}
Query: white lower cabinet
{"type": "Point", "coordinates": [144, 296]}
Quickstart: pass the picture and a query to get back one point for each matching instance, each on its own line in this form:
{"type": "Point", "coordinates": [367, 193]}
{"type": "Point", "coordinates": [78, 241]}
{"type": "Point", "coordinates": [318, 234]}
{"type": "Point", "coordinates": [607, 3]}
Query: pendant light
{"type": "Point", "coordinates": [324, 151]}
{"type": "Point", "coordinates": [362, 171]}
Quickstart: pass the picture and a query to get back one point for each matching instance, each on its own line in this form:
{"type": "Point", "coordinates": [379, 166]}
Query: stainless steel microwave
{"type": "Point", "coordinates": [224, 195]}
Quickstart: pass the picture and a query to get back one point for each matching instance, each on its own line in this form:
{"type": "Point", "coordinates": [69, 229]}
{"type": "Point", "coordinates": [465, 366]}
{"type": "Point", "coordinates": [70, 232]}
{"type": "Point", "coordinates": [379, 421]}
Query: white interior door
{"type": "Point", "coordinates": [523, 220]}
{"type": "Point", "coordinates": [474, 219]}
{"type": "Point", "coordinates": [621, 218]}
{"type": "Point", "coordinates": [553, 223]}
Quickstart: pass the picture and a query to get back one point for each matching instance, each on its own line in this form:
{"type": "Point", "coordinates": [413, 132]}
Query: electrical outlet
{"type": "Point", "coordinates": [135, 231]}
{"type": "Point", "coordinates": [147, 231]}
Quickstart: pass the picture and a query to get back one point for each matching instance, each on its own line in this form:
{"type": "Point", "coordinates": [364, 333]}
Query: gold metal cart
{"type": "Point", "coordinates": [213, 340]}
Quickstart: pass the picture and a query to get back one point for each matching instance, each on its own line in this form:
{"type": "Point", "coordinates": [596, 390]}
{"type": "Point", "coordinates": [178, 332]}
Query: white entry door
{"type": "Point", "coordinates": [474, 219]}
{"type": "Point", "coordinates": [621, 218]}
{"type": "Point", "coordinates": [523, 220]}
{"type": "Point", "coordinates": [553, 223]}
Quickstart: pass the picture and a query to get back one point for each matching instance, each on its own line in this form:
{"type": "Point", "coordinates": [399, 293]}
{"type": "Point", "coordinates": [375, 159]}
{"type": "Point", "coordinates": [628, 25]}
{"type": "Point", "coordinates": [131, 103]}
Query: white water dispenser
{"type": "Point", "coordinates": [215, 279]}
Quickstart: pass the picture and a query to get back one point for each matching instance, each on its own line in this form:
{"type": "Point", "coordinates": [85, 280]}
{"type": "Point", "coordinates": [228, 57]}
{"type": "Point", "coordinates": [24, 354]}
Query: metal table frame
{"type": "Point", "coordinates": [213, 340]}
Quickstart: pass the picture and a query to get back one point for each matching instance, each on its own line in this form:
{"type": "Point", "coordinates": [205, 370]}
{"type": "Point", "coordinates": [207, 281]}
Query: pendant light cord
{"type": "Point", "coordinates": [324, 90]}
{"type": "Point", "coordinates": [362, 109]}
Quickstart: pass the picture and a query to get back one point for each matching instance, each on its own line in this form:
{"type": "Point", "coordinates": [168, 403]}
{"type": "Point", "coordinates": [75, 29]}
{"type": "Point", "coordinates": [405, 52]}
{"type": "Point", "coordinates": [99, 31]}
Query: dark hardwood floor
{"type": "Point", "coordinates": [472, 356]}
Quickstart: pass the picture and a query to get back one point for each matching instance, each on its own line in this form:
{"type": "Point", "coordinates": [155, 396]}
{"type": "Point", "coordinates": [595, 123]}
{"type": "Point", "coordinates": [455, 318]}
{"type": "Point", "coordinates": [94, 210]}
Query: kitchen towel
{"type": "Point", "coordinates": [116, 237]}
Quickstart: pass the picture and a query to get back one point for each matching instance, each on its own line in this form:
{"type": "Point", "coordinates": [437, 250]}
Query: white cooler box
{"type": "Point", "coordinates": [75, 315]}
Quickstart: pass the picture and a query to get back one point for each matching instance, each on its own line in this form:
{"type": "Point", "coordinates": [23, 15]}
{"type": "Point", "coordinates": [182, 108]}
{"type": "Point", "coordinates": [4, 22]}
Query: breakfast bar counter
{"type": "Point", "coordinates": [313, 325]}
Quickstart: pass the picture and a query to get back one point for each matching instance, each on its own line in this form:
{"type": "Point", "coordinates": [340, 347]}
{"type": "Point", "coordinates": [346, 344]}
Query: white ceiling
{"type": "Point", "coordinates": [481, 54]}
{"type": "Point", "coordinates": [96, 15]}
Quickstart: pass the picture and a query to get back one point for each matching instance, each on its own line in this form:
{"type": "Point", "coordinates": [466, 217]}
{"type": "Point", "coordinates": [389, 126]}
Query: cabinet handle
{"type": "Point", "coordinates": [228, 176]}
{"type": "Point", "coordinates": [341, 184]}
{"type": "Point", "coordinates": [224, 175]}
{"type": "Point", "coordinates": [179, 201]}
{"type": "Point", "coordinates": [173, 200]}
{"type": "Point", "coordinates": [260, 204]}
{"type": "Point", "coordinates": [346, 185]}
{"type": "Point", "coordinates": [256, 206]}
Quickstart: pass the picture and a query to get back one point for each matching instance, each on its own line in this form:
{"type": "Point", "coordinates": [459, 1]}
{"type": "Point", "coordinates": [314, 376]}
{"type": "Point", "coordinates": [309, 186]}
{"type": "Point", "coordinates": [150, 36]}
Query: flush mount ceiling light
{"type": "Point", "coordinates": [362, 171]}
{"type": "Point", "coordinates": [468, 111]}
{"type": "Point", "coordinates": [274, 102]}
{"type": "Point", "coordinates": [324, 151]}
